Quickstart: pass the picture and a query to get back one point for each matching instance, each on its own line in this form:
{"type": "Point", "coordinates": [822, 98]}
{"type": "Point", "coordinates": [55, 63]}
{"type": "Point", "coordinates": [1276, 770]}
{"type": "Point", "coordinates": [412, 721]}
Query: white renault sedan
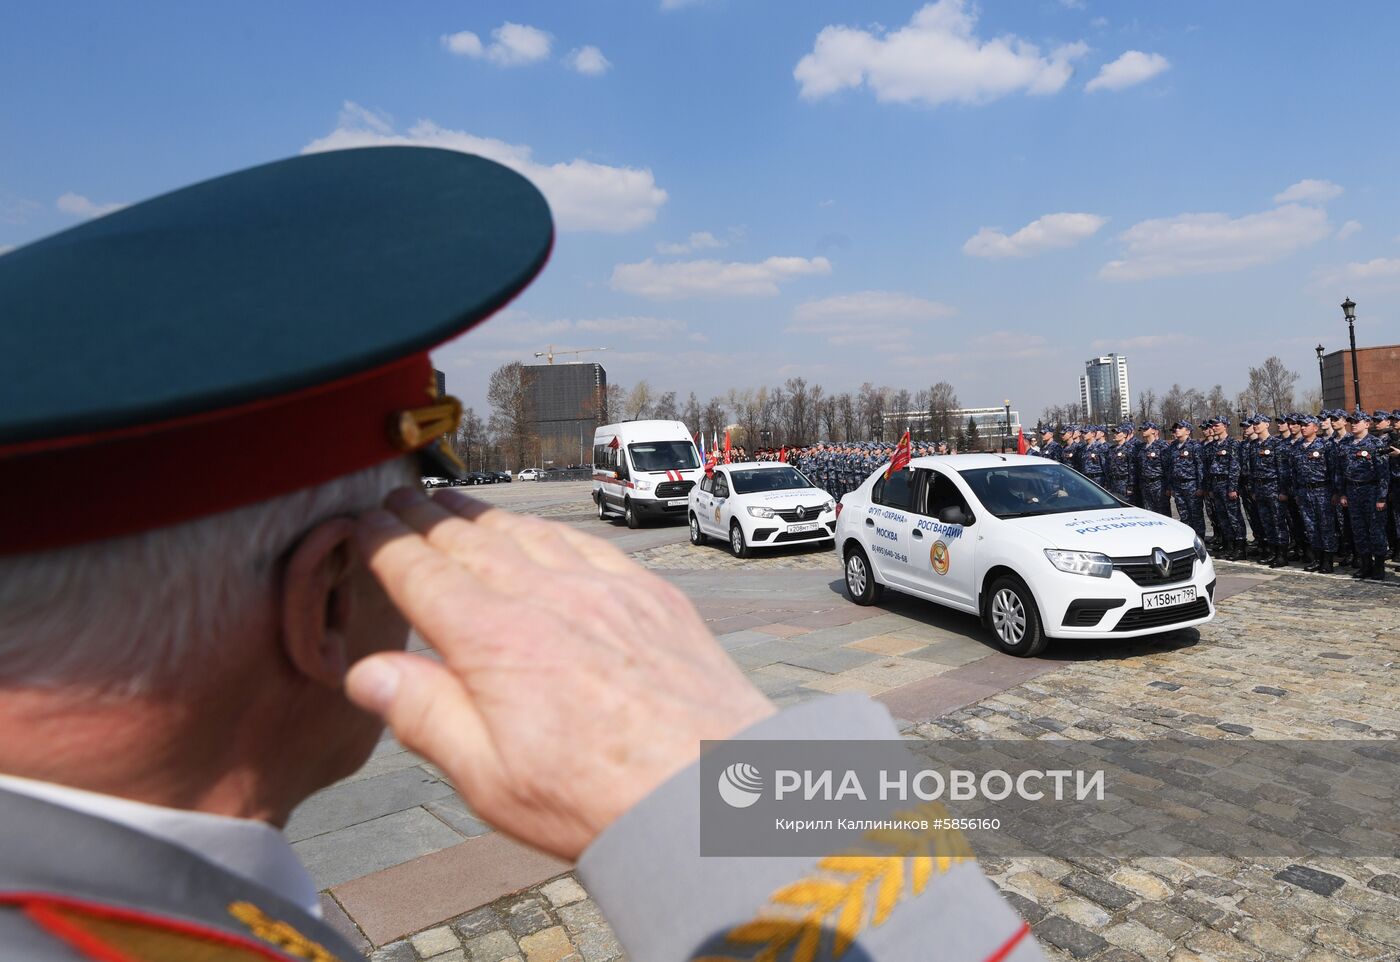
{"type": "Point", "coordinates": [1034, 548]}
{"type": "Point", "coordinates": [758, 504]}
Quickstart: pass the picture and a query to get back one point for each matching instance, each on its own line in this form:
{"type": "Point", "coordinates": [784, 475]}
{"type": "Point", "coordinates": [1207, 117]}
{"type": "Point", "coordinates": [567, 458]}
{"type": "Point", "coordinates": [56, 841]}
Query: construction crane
{"type": "Point", "coordinates": [550, 353]}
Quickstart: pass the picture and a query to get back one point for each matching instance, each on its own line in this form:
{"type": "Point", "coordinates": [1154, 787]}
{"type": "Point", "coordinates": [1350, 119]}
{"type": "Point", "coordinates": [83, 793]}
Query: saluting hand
{"type": "Point", "coordinates": [572, 681]}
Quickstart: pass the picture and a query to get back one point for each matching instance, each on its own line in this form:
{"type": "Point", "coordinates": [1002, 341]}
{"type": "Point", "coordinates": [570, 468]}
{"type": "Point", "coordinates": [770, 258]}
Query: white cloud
{"type": "Point", "coordinates": [1309, 192]}
{"type": "Point", "coordinates": [935, 59]}
{"type": "Point", "coordinates": [582, 194]}
{"type": "Point", "coordinates": [867, 307]}
{"type": "Point", "coordinates": [588, 61]}
{"type": "Point", "coordinates": [678, 4]}
{"type": "Point", "coordinates": [1380, 272]}
{"type": "Point", "coordinates": [1073, 4]}
{"type": "Point", "coordinates": [515, 45]}
{"type": "Point", "coordinates": [1133, 67]}
{"type": "Point", "coordinates": [80, 206]}
{"type": "Point", "coordinates": [1214, 243]}
{"type": "Point", "coordinates": [698, 241]}
{"type": "Point", "coordinates": [1347, 229]}
{"type": "Point", "coordinates": [1051, 232]}
{"type": "Point", "coordinates": [668, 281]}
{"type": "Point", "coordinates": [463, 44]}
{"type": "Point", "coordinates": [1098, 23]}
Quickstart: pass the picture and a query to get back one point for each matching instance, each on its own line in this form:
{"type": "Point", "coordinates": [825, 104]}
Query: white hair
{"type": "Point", "coordinates": [137, 614]}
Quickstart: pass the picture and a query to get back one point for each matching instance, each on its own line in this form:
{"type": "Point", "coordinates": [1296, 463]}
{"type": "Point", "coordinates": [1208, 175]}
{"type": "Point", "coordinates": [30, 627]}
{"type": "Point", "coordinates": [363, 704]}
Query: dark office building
{"type": "Point", "coordinates": [1378, 370]}
{"type": "Point", "coordinates": [441, 382]}
{"type": "Point", "coordinates": [568, 402]}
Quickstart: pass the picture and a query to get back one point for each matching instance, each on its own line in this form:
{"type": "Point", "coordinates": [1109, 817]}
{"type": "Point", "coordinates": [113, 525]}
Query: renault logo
{"type": "Point", "coordinates": [801, 513]}
{"type": "Point", "coordinates": [1161, 562]}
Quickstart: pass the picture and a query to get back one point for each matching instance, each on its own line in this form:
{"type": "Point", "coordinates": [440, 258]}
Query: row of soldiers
{"type": "Point", "coordinates": [1316, 491]}
{"type": "Point", "coordinates": [841, 467]}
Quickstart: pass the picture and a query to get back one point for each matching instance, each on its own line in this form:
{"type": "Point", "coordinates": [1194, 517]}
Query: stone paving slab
{"type": "Point", "coordinates": [406, 898]}
{"type": "Point", "coordinates": [337, 857]}
{"type": "Point", "coordinates": [363, 799]}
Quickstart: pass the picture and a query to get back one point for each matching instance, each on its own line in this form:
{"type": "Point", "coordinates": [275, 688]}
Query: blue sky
{"type": "Point", "coordinates": [891, 192]}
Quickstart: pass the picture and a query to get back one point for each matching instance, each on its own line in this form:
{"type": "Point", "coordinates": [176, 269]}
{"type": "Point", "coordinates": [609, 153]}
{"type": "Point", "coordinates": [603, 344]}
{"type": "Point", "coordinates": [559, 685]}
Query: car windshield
{"type": "Point", "coordinates": [1024, 490]}
{"type": "Point", "coordinates": [768, 479]}
{"type": "Point", "coordinates": [664, 456]}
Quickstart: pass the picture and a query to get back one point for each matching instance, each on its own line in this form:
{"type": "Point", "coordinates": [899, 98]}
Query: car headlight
{"type": "Point", "coordinates": [763, 512]}
{"type": "Point", "coordinates": [829, 506]}
{"type": "Point", "coordinates": [1200, 550]}
{"type": "Point", "coordinates": [643, 485]}
{"type": "Point", "coordinates": [1089, 563]}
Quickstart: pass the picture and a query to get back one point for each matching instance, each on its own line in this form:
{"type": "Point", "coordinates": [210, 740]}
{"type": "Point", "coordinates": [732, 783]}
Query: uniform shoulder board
{"type": "Point", "coordinates": [107, 932]}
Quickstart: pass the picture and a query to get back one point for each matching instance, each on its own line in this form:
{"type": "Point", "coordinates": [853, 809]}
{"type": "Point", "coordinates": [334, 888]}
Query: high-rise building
{"type": "Point", "coordinates": [1103, 388]}
{"type": "Point", "coordinates": [567, 402]}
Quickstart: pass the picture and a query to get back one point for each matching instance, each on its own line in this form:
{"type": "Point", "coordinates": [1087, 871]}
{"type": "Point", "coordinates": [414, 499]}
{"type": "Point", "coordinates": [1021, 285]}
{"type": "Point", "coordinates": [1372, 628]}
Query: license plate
{"type": "Point", "coordinates": [676, 502]}
{"type": "Point", "coordinates": [800, 528]}
{"type": "Point", "coordinates": [1168, 599]}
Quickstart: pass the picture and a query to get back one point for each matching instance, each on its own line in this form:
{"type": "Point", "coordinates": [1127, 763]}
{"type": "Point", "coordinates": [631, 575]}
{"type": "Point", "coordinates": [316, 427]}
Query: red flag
{"type": "Point", "coordinates": [902, 453]}
{"type": "Point", "coordinates": [613, 443]}
{"type": "Point", "coordinates": [782, 455]}
{"type": "Point", "coordinates": [726, 446]}
{"type": "Point", "coordinates": [1021, 446]}
{"type": "Point", "coordinates": [710, 465]}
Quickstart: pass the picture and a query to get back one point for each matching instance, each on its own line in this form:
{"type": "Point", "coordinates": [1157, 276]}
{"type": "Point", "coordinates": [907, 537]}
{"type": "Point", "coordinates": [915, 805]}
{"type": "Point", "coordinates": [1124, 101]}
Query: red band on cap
{"type": "Point", "coordinates": [90, 487]}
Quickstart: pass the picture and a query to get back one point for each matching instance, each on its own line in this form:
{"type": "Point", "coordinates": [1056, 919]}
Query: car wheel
{"type": "Point", "coordinates": [738, 547]}
{"type": "Point", "coordinates": [1014, 619]}
{"type": "Point", "coordinates": [602, 506]}
{"type": "Point", "coordinates": [630, 516]}
{"type": "Point", "coordinates": [861, 585]}
{"type": "Point", "coordinates": [697, 537]}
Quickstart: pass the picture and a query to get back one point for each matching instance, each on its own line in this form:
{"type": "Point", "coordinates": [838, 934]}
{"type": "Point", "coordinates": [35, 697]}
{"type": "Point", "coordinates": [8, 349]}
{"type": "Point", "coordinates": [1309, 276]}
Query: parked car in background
{"type": "Point", "coordinates": [503, 477]}
{"type": "Point", "coordinates": [436, 482]}
{"type": "Point", "coordinates": [758, 505]}
{"type": "Point", "coordinates": [530, 474]}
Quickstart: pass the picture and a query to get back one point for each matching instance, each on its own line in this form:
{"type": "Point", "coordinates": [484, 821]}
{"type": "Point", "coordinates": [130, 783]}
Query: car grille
{"type": "Point", "coordinates": [674, 489]}
{"type": "Point", "coordinates": [821, 532]}
{"type": "Point", "coordinates": [808, 514]}
{"type": "Point", "coordinates": [1145, 573]}
{"type": "Point", "coordinates": [1138, 619]}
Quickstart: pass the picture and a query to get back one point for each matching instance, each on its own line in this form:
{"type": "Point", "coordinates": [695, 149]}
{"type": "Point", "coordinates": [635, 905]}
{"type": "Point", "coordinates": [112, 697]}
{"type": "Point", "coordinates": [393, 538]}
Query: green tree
{"type": "Point", "coordinates": [974, 443]}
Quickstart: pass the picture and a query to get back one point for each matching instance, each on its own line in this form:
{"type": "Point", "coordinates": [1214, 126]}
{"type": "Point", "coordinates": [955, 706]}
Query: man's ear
{"type": "Point", "coordinates": [316, 602]}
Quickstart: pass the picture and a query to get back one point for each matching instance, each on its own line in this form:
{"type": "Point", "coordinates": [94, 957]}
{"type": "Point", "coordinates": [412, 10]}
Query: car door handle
{"type": "Point", "coordinates": [918, 534]}
{"type": "Point", "coordinates": [870, 522]}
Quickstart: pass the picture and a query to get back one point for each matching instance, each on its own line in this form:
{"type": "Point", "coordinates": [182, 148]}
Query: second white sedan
{"type": "Point", "coordinates": [760, 504]}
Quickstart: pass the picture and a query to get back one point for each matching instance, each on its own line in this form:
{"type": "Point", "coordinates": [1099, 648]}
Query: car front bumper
{"type": "Point", "coordinates": [1073, 606]}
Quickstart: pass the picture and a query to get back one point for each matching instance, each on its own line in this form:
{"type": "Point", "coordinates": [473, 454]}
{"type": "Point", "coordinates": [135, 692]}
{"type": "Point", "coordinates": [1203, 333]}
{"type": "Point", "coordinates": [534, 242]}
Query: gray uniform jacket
{"type": "Point", "coordinates": [61, 869]}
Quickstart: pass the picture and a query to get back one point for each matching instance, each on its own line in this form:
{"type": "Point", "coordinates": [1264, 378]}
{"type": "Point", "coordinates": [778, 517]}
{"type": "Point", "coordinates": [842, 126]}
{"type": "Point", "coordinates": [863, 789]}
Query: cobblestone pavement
{"type": "Point", "coordinates": [1290, 655]}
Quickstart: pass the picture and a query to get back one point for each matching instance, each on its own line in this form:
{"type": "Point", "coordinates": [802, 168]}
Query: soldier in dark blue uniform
{"type": "Point", "coordinates": [1365, 492]}
{"type": "Point", "coordinates": [1342, 441]}
{"type": "Point", "coordinates": [1267, 464]}
{"type": "Point", "coordinates": [1094, 456]}
{"type": "Point", "coordinates": [1151, 470]}
{"type": "Point", "coordinates": [1186, 478]}
{"type": "Point", "coordinates": [1222, 473]}
{"type": "Point", "coordinates": [1387, 431]}
{"type": "Point", "coordinates": [1312, 474]}
{"type": "Point", "coordinates": [1120, 468]}
{"type": "Point", "coordinates": [1259, 547]}
{"type": "Point", "coordinates": [1050, 448]}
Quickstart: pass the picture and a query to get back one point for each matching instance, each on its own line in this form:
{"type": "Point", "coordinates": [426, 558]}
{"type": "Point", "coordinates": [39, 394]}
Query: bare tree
{"type": "Point", "coordinates": [691, 413]}
{"type": "Point", "coordinates": [831, 416]}
{"type": "Point", "coordinates": [871, 407]}
{"type": "Point", "coordinates": [665, 408]}
{"type": "Point", "coordinates": [512, 414]}
{"type": "Point", "coordinates": [1147, 406]}
{"type": "Point", "coordinates": [714, 417]}
{"type": "Point", "coordinates": [799, 413]}
{"type": "Point", "coordinates": [1217, 403]}
{"type": "Point", "coordinates": [469, 440]}
{"type": "Point", "coordinates": [846, 406]}
{"type": "Point", "coordinates": [1312, 399]}
{"type": "Point", "coordinates": [639, 401]}
{"type": "Point", "coordinates": [902, 401]}
{"type": "Point", "coordinates": [942, 402]}
{"type": "Point", "coordinates": [614, 404]}
{"type": "Point", "coordinates": [1273, 383]}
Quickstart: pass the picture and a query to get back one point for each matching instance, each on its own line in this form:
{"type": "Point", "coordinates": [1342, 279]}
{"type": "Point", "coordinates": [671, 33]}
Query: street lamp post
{"type": "Point", "coordinates": [1007, 404]}
{"type": "Point", "coordinates": [1349, 310]}
{"type": "Point", "coordinates": [1321, 381]}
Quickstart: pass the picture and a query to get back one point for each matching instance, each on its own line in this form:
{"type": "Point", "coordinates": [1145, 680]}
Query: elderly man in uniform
{"type": "Point", "coordinates": [243, 365]}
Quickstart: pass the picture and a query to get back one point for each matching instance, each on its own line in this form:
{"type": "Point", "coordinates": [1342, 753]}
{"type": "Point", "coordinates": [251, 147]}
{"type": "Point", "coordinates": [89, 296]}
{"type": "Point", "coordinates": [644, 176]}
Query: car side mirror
{"type": "Point", "coordinates": [954, 515]}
